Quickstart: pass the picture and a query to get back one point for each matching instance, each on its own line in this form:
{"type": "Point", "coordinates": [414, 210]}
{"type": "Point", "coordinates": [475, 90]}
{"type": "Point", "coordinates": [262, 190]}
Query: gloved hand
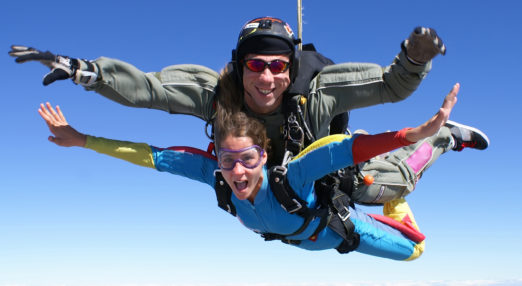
{"type": "Point", "coordinates": [80, 71]}
{"type": "Point", "coordinates": [423, 45]}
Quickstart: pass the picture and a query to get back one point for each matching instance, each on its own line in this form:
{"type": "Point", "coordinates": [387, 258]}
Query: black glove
{"type": "Point", "coordinates": [80, 71]}
{"type": "Point", "coordinates": [423, 45]}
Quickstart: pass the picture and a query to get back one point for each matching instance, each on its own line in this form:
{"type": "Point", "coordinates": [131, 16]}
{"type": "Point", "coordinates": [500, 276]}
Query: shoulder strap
{"type": "Point", "coordinates": [311, 63]}
{"type": "Point", "coordinates": [293, 204]}
{"type": "Point", "coordinates": [295, 127]}
{"type": "Point", "coordinates": [284, 194]}
{"type": "Point", "coordinates": [223, 193]}
{"type": "Point", "coordinates": [297, 131]}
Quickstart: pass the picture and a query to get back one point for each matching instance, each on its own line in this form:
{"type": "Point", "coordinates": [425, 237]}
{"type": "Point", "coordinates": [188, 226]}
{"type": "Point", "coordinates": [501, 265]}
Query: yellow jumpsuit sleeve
{"type": "Point", "coordinates": [136, 153]}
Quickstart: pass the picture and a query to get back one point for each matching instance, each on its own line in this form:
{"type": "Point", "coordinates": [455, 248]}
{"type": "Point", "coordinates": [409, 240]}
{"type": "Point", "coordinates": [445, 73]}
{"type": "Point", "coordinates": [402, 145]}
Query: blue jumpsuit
{"type": "Point", "coordinates": [265, 214]}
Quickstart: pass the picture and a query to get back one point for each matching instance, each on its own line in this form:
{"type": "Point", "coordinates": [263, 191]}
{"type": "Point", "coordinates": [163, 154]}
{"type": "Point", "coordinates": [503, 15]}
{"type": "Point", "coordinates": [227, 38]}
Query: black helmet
{"type": "Point", "coordinates": [265, 35]}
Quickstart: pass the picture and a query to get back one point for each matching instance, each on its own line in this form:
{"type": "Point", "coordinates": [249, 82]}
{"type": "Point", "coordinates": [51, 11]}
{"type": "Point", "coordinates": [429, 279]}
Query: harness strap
{"type": "Point", "coordinates": [351, 239]}
{"type": "Point", "coordinates": [333, 208]}
{"type": "Point", "coordinates": [223, 193]}
{"type": "Point", "coordinates": [334, 213]}
{"type": "Point", "coordinates": [322, 213]}
{"type": "Point", "coordinates": [342, 225]}
{"type": "Point", "coordinates": [291, 203]}
{"type": "Point", "coordinates": [346, 179]}
{"type": "Point", "coordinates": [338, 201]}
{"type": "Point", "coordinates": [293, 134]}
{"type": "Point", "coordinates": [284, 194]}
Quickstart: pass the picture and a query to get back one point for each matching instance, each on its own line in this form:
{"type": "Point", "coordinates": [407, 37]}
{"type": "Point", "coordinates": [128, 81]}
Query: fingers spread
{"type": "Point", "coordinates": [52, 112]}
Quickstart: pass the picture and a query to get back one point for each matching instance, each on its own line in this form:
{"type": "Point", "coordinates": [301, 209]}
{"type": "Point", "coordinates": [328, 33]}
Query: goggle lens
{"type": "Point", "coordinates": [276, 66]}
{"type": "Point", "coordinates": [249, 157]}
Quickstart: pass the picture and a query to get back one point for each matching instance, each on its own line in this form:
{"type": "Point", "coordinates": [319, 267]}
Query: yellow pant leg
{"type": "Point", "coordinates": [400, 211]}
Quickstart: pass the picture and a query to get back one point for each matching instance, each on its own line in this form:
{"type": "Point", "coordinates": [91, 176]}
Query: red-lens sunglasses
{"type": "Point", "coordinates": [276, 66]}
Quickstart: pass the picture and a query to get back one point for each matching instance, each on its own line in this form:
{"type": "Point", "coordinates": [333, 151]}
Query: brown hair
{"type": "Point", "coordinates": [230, 94]}
{"type": "Point", "coordinates": [238, 124]}
{"type": "Point", "coordinates": [230, 120]}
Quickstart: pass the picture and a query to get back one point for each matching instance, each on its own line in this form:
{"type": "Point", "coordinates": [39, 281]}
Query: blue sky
{"type": "Point", "coordinates": [74, 217]}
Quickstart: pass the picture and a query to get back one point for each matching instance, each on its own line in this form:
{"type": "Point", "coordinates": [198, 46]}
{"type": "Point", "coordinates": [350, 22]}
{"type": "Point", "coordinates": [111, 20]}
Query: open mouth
{"type": "Point", "coordinates": [241, 185]}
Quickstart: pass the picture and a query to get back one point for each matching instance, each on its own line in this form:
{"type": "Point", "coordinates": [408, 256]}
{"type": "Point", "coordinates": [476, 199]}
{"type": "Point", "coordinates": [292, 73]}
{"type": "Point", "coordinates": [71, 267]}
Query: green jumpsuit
{"type": "Point", "coordinates": [191, 89]}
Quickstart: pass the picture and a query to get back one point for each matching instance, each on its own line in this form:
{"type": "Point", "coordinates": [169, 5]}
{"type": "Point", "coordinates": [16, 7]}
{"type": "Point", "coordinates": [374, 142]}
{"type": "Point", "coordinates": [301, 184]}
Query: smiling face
{"type": "Point", "coordinates": [264, 90]}
{"type": "Point", "coordinates": [243, 181]}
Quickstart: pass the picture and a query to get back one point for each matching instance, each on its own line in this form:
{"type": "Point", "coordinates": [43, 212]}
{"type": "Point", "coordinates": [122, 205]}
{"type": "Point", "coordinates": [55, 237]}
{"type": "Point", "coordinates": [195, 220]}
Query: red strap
{"type": "Point", "coordinates": [210, 147]}
{"type": "Point", "coordinates": [406, 227]}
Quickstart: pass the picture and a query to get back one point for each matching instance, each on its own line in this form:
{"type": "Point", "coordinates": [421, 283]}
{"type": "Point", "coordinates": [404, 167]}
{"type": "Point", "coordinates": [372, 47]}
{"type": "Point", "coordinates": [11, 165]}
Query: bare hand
{"type": "Point", "coordinates": [64, 134]}
{"type": "Point", "coordinates": [433, 125]}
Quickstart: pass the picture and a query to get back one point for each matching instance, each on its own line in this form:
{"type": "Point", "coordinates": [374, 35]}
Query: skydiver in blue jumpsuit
{"type": "Point", "coordinates": [241, 147]}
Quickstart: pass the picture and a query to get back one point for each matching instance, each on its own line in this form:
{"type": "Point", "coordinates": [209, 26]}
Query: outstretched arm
{"type": "Point", "coordinates": [433, 125]}
{"type": "Point", "coordinates": [180, 89]}
{"type": "Point", "coordinates": [67, 136]}
{"type": "Point", "coordinates": [369, 146]}
{"type": "Point", "coordinates": [64, 134]}
{"type": "Point", "coordinates": [338, 151]}
{"type": "Point", "coordinates": [185, 161]}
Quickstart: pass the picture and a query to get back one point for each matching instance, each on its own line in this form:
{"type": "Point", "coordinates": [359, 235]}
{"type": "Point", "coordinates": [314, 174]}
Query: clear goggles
{"type": "Point", "coordinates": [249, 157]}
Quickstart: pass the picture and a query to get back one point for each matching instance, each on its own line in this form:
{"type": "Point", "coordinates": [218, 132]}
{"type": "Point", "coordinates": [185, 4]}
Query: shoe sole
{"type": "Point", "coordinates": [453, 123]}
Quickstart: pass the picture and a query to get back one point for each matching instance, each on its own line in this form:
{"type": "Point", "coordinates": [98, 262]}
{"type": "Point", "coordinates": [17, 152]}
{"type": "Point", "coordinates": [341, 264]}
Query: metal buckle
{"type": "Point", "coordinates": [287, 158]}
{"type": "Point", "coordinates": [217, 171]}
{"type": "Point", "coordinates": [280, 170]}
{"type": "Point", "coordinates": [346, 215]}
{"type": "Point", "coordinates": [293, 132]}
{"type": "Point", "coordinates": [229, 209]}
{"type": "Point", "coordinates": [298, 207]}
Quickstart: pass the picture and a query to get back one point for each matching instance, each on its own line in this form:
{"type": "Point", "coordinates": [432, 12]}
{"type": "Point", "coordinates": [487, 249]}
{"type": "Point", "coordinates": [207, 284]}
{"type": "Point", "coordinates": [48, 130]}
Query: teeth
{"type": "Point", "coordinates": [265, 91]}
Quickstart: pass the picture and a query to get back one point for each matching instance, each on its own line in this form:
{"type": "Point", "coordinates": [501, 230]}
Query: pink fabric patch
{"type": "Point", "coordinates": [420, 157]}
